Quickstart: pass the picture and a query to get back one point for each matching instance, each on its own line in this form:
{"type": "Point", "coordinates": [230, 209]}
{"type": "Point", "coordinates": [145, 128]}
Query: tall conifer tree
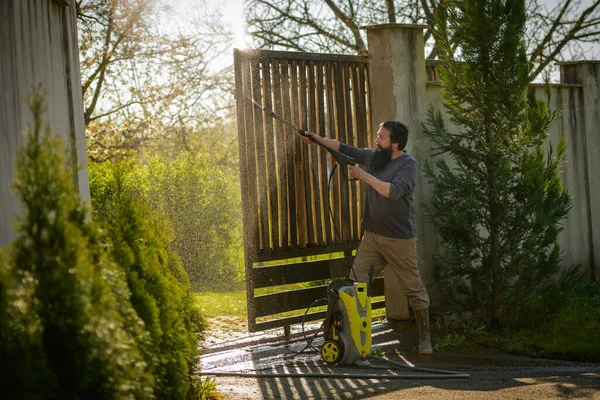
{"type": "Point", "coordinates": [498, 202]}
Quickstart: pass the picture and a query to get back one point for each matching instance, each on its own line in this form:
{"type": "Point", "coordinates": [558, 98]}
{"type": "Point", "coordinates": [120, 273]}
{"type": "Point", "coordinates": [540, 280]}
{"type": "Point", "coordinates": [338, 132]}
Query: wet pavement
{"type": "Point", "coordinates": [493, 375]}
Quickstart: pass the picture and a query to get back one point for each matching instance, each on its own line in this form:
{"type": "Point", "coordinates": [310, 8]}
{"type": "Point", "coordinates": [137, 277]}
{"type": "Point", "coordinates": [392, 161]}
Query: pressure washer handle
{"type": "Point", "coordinates": [338, 156]}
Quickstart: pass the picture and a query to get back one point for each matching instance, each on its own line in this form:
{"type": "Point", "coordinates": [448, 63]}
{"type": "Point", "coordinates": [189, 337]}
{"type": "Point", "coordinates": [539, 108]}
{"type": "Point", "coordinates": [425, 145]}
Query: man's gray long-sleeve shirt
{"type": "Point", "coordinates": [394, 216]}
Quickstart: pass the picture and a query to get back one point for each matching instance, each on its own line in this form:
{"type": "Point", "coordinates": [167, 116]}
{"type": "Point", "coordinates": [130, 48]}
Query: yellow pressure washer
{"type": "Point", "coordinates": [347, 329]}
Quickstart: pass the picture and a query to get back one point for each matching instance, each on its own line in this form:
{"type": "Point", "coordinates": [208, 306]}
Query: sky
{"type": "Point", "coordinates": [233, 13]}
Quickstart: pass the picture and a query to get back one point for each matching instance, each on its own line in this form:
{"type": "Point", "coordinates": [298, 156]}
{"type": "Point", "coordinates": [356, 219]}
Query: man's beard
{"type": "Point", "coordinates": [381, 158]}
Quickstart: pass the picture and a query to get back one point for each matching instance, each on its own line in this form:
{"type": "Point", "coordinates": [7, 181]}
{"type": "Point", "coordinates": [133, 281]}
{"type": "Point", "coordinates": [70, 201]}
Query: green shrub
{"type": "Point", "coordinates": [200, 200]}
{"type": "Point", "coordinates": [138, 240]}
{"type": "Point", "coordinates": [205, 389]}
{"type": "Point", "coordinates": [67, 329]}
{"type": "Point", "coordinates": [573, 332]}
{"type": "Point", "coordinates": [498, 202]}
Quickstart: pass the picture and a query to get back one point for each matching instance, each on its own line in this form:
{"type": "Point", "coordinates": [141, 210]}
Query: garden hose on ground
{"type": "Point", "coordinates": [432, 373]}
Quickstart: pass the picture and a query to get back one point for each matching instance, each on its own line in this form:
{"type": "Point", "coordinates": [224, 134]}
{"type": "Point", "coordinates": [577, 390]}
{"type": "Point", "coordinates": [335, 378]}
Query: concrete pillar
{"type": "Point", "coordinates": [587, 74]}
{"type": "Point", "coordinates": [397, 82]}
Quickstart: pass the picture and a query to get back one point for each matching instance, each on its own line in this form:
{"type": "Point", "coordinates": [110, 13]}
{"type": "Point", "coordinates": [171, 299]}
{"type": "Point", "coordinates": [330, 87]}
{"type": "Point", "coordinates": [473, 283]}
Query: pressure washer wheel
{"type": "Point", "coordinates": [332, 351]}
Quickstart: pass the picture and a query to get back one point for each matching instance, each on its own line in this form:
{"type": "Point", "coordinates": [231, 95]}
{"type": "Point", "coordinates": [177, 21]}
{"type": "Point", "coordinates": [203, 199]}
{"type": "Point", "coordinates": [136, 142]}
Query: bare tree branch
{"type": "Point", "coordinates": [334, 25]}
{"type": "Point", "coordinates": [350, 23]}
{"type": "Point", "coordinates": [566, 39]}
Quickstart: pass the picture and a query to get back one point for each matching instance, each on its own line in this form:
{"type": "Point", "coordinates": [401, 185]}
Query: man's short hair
{"type": "Point", "coordinates": [398, 132]}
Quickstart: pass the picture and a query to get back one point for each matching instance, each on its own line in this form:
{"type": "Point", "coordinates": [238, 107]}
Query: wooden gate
{"type": "Point", "coordinates": [300, 227]}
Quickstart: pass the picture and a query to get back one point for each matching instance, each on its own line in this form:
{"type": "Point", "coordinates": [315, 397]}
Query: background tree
{"type": "Point", "coordinates": [197, 191]}
{"type": "Point", "coordinates": [498, 209]}
{"type": "Point", "coordinates": [158, 92]}
{"type": "Point", "coordinates": [138, 241]}
{"type": "Point", "coordinates": [554, 32]}
{"type": "Point", "coordinates": [148, 71]}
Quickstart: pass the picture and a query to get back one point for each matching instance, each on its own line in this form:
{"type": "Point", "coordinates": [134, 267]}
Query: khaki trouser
{"type": "Point", "coordinates": [401, 276]}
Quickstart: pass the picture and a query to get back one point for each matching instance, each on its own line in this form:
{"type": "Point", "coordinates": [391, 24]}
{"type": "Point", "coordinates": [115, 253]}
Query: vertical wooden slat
{"type": "Point", "coordinates": [360, 107]}
{"type": "Point", "coordinates": [271, 150]}
{"type": "Point", "coordinates": [290, 156]}
{"type": "Point", "coordinates": [349, 128]}
{"type": "Point", "coordinates": [362, 134]}
{"type": "Point", "coordinates": [259, 154]}
{"type": "Point", "coordinates": [321, 131]}
{"type": "Point", "coordinates": [249, 220]}
{"type": "Point", "coordinates": [246, 145]}
{"type": "Point", "coordinates": [298, 167]}
{"type": "Point", "coordinates": [281, 155]}
{"type": "Point", "coordinates": [305, 152]}
{"type": "Point", "coordinates": [364, 77]}
{"type": "Point", "coordinates": [343, 202]}
{"type": "Point", "coordinates": [368, 138]}
{"type": "Point", "coordinates": [355, 116]}
{"type": "Point", "coordinates": [314, 156]}
{"type": "Point", "coordinates": [333, 192]}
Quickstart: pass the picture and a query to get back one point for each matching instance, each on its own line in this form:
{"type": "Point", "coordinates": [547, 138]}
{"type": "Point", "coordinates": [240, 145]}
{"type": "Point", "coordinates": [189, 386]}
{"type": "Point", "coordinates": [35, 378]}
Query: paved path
{"type": "Point", "coordinates": [494, 375]}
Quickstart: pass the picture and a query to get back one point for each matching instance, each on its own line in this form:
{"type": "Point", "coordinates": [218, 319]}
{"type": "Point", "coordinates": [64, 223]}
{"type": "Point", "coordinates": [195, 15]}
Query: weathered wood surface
{"type": "Point", "coordinates": [288, 202]}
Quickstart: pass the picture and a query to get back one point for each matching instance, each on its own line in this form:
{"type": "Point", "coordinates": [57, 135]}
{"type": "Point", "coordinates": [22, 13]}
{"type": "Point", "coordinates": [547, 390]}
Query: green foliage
{"type": "Point", "coordinates": [21, 352]}
{"type": "Point", "coordinates": [571, 333]}
{"type": "Point", "coordinates": [67, 329]}
{"type": "Point", "coordinates": [200, 198]}
{"type": "Point", "coordinates": [459, 335]}
{"type": "Point", "coordinates": [498, 204]}
{"type": "Point", "coordinates": [378, 353]}
{"type": "Point", "coordinates": [138, 240]}
{"type": "Point", "coordinates": [205, 389]}
{"type": "Point", "coordinates": [449, 341]}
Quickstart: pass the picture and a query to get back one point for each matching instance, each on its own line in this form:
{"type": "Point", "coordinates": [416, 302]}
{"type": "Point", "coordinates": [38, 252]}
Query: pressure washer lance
{"type": "Point", "coordinates": [338, 156]}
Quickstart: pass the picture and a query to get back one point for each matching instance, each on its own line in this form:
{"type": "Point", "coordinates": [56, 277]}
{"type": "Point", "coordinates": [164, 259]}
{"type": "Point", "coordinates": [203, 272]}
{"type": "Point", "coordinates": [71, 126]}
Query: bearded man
{"type": "Point", "coordinates": [390, 233]}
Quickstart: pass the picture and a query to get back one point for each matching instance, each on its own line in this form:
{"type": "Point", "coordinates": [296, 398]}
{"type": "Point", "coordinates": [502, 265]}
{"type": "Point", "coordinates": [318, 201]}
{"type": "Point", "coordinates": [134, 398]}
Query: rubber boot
{"type": "Point", "coordinates": [422, 317]}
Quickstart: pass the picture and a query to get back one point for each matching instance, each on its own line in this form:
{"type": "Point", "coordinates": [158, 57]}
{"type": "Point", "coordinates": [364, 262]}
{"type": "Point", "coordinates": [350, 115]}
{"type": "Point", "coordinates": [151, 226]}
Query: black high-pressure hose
{"type": "Point", "coordinates": [431, 373]}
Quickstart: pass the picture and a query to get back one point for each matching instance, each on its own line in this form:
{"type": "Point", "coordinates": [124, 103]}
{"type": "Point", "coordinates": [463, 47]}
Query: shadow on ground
{"type": "Point", "coordinates": [493, 374]}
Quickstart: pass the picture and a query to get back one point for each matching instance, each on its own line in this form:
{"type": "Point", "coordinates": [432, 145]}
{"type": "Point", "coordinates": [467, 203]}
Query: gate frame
{"type": "Point", "coordinates": [246, 65]}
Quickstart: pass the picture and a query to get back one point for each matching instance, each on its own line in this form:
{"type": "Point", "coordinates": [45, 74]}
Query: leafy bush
{"type": "Point", "coordinates": [67, 329]}
{"type": "Point", "coordinates": [205, 389]}
{"type": "Point", "coordinates": [573, 332]}
{"type": "Point", "coordinates": [138, 240]}
{"type": "Point", "coordinates": [200, 200]}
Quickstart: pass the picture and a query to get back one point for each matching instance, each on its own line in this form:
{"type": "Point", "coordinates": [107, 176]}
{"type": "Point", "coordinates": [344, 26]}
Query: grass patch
{"type": "Point", "coordinates": [572, 333]}
{"type": "Point", "coordinates": [218, 304]}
